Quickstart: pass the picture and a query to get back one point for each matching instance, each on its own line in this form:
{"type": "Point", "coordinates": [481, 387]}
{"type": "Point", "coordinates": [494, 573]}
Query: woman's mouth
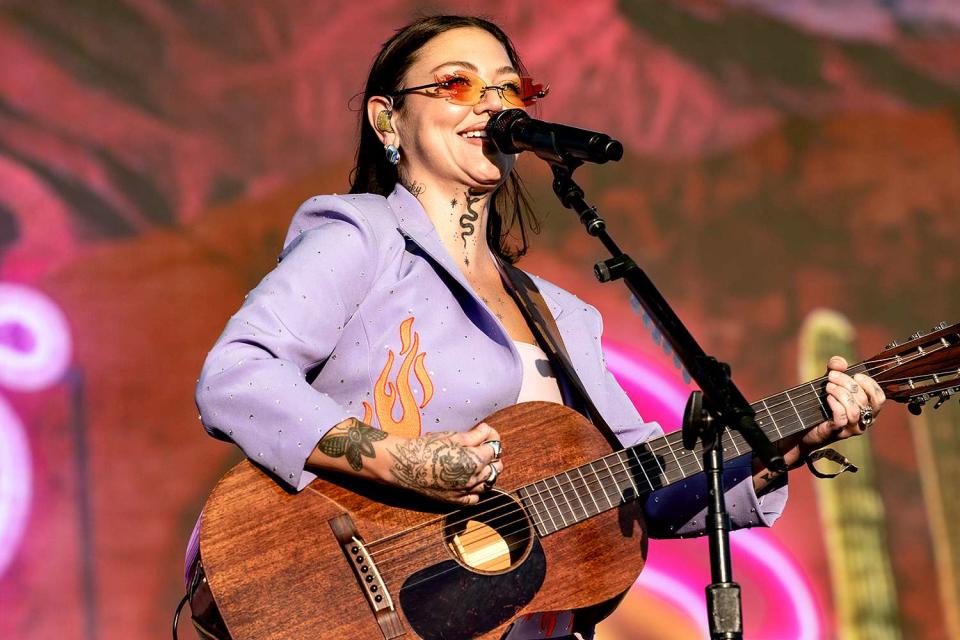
{"type": "Point", "coordinates": [477, 137]}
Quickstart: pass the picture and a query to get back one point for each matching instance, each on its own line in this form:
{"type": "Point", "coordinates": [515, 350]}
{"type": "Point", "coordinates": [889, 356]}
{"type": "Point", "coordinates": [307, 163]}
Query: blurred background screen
{"type": "Point", "coordinates": [791, 182]}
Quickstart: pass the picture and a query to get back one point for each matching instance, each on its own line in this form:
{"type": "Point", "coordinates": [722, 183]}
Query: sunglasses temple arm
{"type": "Point", "coordinates": [423, 86]}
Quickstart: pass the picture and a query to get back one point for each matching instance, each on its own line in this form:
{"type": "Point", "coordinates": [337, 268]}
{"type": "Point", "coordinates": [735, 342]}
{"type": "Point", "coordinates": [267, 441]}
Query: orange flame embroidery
{"type": "Point", "coordinates": [385, 393]}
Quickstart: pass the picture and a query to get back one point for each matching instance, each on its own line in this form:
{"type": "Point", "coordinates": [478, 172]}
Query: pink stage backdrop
{"type": "Point", "coordinates": [780, 157]}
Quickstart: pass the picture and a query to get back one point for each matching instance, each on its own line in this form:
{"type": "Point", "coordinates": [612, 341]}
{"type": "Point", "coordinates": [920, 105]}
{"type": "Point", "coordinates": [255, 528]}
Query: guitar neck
{"type": "Point", "coordinates": [574, 495]}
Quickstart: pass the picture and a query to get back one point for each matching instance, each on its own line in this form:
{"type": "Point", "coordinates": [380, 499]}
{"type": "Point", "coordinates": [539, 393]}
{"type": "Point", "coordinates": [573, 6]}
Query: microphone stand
{"type": "Point", "coordinates": [719, 405]}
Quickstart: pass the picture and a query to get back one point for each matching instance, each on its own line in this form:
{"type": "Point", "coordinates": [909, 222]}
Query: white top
{"type": "Point", "coordinates": [539, 381]}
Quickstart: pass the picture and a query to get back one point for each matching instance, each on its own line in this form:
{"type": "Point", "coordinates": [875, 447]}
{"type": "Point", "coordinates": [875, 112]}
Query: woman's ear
{"type": "Point", "coordinates": [381, 117]}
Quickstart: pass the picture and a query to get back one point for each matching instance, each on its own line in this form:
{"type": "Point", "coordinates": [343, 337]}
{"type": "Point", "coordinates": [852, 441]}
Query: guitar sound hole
{"type": "Point", "coordinates": [490, 537]}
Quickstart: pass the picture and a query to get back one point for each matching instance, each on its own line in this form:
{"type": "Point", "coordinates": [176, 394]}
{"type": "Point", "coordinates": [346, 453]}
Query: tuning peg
{"type": "Point", "coordinates": [943, 396]}
{"type": "Point", "coordinates": [915, 406]}
{"type": "Point", "coordinates": [914, 336]}
{"type": "Point", "coordinates": [939, 327]}
{"type": "Point", "coordinates": [892, 345]}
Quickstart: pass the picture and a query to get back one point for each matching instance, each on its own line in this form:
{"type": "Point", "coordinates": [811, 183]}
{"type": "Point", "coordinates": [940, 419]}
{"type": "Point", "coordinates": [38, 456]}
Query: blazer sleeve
{"type": "Point", "coordinates": [252, 388]}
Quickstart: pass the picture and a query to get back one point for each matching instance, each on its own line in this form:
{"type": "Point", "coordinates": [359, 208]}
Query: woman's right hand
{"type": "Point", "coordinates": [449, 466]}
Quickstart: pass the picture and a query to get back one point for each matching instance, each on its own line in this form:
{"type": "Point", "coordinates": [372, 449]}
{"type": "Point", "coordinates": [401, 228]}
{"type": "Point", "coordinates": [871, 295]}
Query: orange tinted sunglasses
{"type": "Point", "coordinates": [467, 89]}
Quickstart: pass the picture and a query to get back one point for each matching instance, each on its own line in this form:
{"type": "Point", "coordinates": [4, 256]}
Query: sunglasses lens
{"type": "Point", "coordinates": [512, 93]}
{"type": "Point", "coordinates": [462, 88]}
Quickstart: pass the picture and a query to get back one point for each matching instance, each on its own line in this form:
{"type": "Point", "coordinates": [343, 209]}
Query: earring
{"type": "Point", "coordinates": [392, 153]}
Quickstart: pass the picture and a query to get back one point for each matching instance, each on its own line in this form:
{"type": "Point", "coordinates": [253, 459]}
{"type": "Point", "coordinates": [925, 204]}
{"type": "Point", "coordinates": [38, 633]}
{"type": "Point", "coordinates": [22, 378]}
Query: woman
{"type": "Point", "coordinates": [396, 295]}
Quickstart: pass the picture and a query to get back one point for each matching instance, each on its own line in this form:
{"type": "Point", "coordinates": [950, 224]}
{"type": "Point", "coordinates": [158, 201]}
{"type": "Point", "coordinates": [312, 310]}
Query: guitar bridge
{"type": "Point", "coordinates": [368, 577]}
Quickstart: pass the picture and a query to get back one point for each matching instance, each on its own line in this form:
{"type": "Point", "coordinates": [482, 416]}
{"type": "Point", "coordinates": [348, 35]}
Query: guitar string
{"type": "Point", "coordinates": [603, 478]}
{"type": "Point", "coordinates": [682, 467]}
{"type": "Point", "coordinates": [589, 482]}
{"type": "Point", "coordinates": [505, 532]}
{"type": "Point", "coordinates": [620, 467]}
{"type": "Point", "coordinates": [668, 446]}
{"type": "Point", "coordinates": [611, 474]}
{"type": "Point", "coordinates": [598, 480]}
{"type": "Point", "coordinates": [394, 566]}
{"type": "Point", "coordinates": [512, 508]}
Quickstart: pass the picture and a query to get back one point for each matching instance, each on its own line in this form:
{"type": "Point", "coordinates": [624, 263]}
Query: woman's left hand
{"type": "Point", "coordinates": [855, 402]}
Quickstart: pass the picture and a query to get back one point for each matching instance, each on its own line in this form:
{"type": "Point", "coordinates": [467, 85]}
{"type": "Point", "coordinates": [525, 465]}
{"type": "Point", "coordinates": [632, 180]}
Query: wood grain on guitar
{"type": "Point", "coordinates": [349, 558]}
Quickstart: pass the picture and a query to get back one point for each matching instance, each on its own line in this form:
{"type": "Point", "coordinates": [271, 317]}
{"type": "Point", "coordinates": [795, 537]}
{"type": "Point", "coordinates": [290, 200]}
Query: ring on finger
{"type": "Point", "coordinates": [492, 478]}
{"type": "Point", "coordinates": [866, 416]}
{"type": "Point", "coordinates": [495, 445]}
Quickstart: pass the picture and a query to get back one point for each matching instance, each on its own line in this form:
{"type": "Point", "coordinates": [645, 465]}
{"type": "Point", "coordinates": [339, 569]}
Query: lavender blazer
{"type": "Point", "coordinates": [366, 315]}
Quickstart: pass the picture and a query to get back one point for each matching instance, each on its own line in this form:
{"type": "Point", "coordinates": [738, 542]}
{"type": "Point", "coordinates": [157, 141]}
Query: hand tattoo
{"type": "Point", "coordinates": [433, 465]}
{"type": "Point", "coordinates": [353, 441]}
{"type": "Point", "coordinates": [466, 220]}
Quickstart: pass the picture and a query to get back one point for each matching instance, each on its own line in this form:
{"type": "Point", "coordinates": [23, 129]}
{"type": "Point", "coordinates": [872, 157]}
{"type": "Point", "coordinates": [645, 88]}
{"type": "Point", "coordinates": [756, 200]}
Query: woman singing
{"type": "Point", "coordinates": [390, 328]}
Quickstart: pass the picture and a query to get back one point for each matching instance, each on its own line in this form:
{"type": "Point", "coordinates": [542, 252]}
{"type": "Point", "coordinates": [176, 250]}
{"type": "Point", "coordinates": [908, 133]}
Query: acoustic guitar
{"type": "Point", "coordinates": [347, 558]}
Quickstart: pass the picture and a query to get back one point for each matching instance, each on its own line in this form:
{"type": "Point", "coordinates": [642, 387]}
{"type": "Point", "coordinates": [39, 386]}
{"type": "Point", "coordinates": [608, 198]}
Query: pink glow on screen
{"type": "Point", "coordinates": [16, 482]}
{"type": "Point", "coordinates": [760, 554]}
{"type": "Point", "coordinates": [34, 339]}
{"type": "Point", "coordinates": [659, 394]}
{"type": "Point", "coordinates": [35, 351]}
{"type": "Point", "coordinates": [685, 595]}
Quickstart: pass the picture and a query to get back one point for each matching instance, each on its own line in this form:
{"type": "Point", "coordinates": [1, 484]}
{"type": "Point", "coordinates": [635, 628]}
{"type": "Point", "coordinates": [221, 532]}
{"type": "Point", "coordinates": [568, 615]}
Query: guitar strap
{"type": "Point", "coordinates": [534, 309]}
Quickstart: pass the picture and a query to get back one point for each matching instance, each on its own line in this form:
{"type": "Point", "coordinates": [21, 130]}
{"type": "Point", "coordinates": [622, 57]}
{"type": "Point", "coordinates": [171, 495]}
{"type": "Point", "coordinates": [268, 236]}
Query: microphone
{"type": "Point", "coordinates": [513, 131]}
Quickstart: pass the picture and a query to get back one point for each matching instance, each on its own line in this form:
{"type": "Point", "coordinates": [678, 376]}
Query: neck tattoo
{"type": "Point", "coordinates": [496, 311]}
{"type": "Point", "coordinates": [467, 227]}
{"type": "Point", "coordinates": [415, 188]}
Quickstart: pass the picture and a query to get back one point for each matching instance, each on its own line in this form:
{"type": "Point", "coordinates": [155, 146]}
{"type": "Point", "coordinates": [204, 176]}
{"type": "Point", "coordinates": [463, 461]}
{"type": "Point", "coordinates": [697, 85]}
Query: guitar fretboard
{"type": "Point", "coordinates": [574, 495]}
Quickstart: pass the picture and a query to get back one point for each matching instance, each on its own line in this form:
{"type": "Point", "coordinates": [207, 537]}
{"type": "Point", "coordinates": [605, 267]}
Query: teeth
{"type": "Point", "coordinates": [475, 134]}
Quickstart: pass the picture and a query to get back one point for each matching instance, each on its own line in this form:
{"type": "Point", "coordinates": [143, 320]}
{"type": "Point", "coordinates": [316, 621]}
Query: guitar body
{"type": "Point", "coordinates": [277, 568]}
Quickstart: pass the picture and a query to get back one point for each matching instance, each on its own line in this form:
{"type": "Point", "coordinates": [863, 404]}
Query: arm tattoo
{"type": "Point", "coordinates": [770, 476]}
{"type": "Point", "coordinates": [432, 464]}
{"type": "Point", "coordinates": [773, 480]}
{"type": "Point", "coordinates": [466, 220]}
{"type": "Point", "coordinates": [353, 441]}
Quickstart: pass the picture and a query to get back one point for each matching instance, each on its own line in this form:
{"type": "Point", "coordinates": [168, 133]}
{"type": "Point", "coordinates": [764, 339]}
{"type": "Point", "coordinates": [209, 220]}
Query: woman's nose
{"type": "Point", "coordinates": [491, 100]}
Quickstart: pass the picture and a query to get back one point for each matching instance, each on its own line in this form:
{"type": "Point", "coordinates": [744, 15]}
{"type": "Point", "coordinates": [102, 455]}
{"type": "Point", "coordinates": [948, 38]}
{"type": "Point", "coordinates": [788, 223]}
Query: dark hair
{"type": "Point", "coordinates": [510, 205]}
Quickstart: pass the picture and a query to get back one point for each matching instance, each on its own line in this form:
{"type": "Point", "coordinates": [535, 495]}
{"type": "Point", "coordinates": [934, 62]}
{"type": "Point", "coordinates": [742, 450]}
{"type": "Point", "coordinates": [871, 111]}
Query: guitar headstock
{"type": "Point", "coordinates": [924, 367]}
